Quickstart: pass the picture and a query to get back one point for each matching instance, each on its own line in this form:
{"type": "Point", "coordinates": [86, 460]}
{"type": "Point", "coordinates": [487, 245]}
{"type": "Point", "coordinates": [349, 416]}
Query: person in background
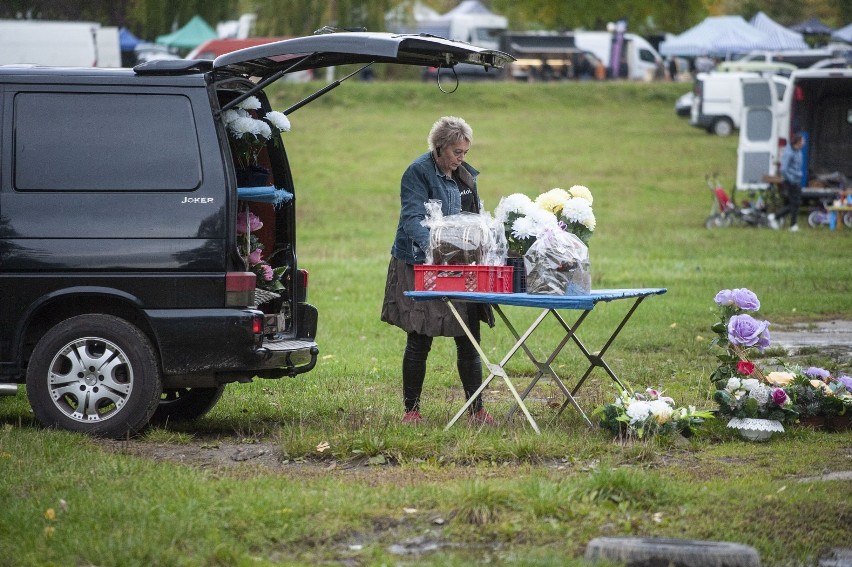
{"type": "Point", "coordinates": [791, 171]}
{"type": "Point", "coordinates": [443, 174]}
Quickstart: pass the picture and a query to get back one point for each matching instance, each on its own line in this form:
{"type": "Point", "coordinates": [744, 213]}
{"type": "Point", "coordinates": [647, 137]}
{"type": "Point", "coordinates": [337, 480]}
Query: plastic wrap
{"type": "Point", "coordinates": [557, 263]}
{"type": "Point", "coordinates": [463, 239]}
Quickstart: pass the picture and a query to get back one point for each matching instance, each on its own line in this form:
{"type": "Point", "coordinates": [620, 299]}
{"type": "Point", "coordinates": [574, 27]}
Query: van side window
{"type": "Point", "coordinates": [647, 56]}
{"type": "Point", "coordinates": [104, 142]}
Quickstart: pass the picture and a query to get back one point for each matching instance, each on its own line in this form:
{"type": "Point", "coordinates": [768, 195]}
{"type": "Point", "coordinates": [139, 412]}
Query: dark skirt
{"type": "Point", "coordinates": [432, 318]}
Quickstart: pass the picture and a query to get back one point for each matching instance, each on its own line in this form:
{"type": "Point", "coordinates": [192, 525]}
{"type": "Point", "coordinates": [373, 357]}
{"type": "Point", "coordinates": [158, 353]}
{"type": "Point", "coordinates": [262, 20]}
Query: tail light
{"type": "Point", "coordinates": [304, 275]}
{"type": "Point", "coordinates": [257, 324]}
{"type": "Point", "coordinates": [239, 289]}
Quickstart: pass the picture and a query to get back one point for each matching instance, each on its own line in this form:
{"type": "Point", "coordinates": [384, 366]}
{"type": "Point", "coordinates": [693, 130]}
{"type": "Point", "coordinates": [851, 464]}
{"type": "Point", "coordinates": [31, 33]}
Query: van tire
{"type": "Point", "coordinates": [94, 374]}
{"type": "Point", "coordinates": [722, 127]}
{"type": "Point", "coordinates": [664, 551]}
{"type": "Point", "coordinates": [185, 404]}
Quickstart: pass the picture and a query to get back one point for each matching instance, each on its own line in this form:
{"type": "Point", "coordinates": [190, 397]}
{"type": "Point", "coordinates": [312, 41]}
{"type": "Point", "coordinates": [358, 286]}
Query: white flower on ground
{"type": "Point", "coordinates": [750, 384]}
{"type": "Point", "coordinates": [638, 411]}
{"type": "Point", "coordinates": [661, 411]}
{"type": "Point", "coordinates": [760, 393]}
{"type": "Point", "coordinates": [733, 384]}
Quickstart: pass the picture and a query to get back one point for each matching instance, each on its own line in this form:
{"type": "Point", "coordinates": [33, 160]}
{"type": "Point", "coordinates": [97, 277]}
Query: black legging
{"type": "Point", "coordinates": [793, 192]}
{"type": "Point", "coordinates": [417, 349]}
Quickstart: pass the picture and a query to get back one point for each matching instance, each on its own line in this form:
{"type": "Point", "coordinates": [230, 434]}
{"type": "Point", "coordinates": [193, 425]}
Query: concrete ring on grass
{"type": "Point", "coordinates": [664, 552]}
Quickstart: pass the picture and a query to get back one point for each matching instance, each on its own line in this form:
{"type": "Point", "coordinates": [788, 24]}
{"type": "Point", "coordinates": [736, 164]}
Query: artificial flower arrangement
{"type": "Point", "coordinates": [249, 134]}
{"type": "Point", "coordinates": [815, 392]}
{"type": "Point", "coordinates": [268, 278]}
{"type": "Point", "coordinates": [743, 391]}
{"type": "Point", "coordinates": [524, 219]}
{"type": "Point", "coordinates": [638, 415]}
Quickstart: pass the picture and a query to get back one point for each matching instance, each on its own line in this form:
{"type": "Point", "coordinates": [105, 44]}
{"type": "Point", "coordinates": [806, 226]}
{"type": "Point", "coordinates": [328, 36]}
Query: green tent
{"type": "Point", "coordinates": [194, 33]}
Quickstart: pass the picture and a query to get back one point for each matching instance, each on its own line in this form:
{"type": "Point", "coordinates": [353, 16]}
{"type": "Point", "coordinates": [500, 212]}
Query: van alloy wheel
{"type": "Point", "coordinates": [723, 127]}
{"type": "Point", "coordinates": [94, 374]}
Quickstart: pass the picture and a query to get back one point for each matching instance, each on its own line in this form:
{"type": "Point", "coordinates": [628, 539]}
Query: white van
{"type": "Point", "coordinates": [717, 102]}
{"type": "Point", "coordinates": [817, 103]}
{"type": "Point", "coordinates": [641, 59]}
{"type": "Point", "coordinates": [59, 44]}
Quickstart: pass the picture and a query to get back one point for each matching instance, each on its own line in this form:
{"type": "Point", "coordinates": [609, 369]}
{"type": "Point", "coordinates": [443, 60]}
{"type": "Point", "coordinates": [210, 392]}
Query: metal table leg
{"type": "Point", "coordinates": [493, 369]}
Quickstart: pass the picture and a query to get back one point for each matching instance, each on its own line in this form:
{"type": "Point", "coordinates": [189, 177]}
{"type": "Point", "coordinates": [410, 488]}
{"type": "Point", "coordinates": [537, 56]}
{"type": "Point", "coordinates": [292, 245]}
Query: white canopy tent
{"type": "Point", "coordinates": [781, 37]}
{"type": "Point", "coordinates": [843, 34]}
{"type": "Point", "coordinates": [718, 36]}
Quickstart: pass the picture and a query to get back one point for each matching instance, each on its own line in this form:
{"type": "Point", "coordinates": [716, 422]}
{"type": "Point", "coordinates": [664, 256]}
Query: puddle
{"type": "Point", "coordinates": [831, 337]}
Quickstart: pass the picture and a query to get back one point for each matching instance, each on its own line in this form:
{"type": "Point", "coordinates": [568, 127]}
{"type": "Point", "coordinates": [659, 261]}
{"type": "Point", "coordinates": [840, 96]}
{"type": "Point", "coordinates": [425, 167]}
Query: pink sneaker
{"type": "Point", "coordinates": [481, 417]}
{"type": "Point", "coordinates": [412, 416]}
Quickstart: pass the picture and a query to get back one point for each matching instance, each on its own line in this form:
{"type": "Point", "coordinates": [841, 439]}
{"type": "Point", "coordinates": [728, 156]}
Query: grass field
{"type": "Point", "coordinates": [382, 493]}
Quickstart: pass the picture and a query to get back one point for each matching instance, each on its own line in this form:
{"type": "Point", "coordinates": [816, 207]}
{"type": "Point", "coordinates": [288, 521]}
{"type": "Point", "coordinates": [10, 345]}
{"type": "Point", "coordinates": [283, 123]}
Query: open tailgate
{"type": "Point", "coordinates": [327, 50]}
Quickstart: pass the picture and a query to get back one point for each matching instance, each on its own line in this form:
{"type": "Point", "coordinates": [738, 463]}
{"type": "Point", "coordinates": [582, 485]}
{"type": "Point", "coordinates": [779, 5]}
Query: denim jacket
{"type": "Point", "coordinates": [421, 182]}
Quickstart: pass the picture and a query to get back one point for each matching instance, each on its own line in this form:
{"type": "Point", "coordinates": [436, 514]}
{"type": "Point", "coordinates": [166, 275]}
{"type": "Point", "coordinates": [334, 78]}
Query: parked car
{"type": "Point", "coordinates": [126, 296]}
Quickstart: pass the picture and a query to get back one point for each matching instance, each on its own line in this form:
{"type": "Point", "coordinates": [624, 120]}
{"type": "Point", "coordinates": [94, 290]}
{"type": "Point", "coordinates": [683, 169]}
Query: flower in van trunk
{"type": "Point", "coordinates": [251, 248]}
{"type": "Point", "coordinates": [249, 132]}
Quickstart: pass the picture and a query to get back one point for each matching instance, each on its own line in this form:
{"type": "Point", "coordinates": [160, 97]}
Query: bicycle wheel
{"type": "Point", "coordinates": [717, 221]}
{"type": "Point", "coordinates": [847, 219]}
{"type": "Point", "coordinates": [817, 218]}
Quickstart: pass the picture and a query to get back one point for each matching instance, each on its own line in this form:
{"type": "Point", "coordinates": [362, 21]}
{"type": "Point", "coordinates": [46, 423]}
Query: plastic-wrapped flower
{"type": "Point", "coordinates": [533, 224]}
{"type": "Point", "coordinates": [745, 330]}
{"type": "Point", "coordinates": [581, 192]}
{"type": "Point", "coordinates": [553, 200]}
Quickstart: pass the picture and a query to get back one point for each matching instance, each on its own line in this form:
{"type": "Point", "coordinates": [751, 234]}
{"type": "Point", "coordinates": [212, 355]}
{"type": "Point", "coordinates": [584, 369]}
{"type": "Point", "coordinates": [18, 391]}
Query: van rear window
{"type": "Point", "coordinates": [105, 142]}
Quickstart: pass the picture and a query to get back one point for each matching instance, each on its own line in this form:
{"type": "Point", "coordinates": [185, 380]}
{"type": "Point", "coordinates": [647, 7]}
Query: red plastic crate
{"type": "Point", "coordinates": [484, 279]}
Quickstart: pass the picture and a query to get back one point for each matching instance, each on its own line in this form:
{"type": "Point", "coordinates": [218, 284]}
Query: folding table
{"type": "Point", "coordinates": [549, 304]}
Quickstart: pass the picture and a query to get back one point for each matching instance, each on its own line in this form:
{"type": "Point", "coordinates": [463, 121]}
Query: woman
{"type": "Point", "coordinates": [442, 174]}
{"type": "Point", "coordinates": [791, 171]}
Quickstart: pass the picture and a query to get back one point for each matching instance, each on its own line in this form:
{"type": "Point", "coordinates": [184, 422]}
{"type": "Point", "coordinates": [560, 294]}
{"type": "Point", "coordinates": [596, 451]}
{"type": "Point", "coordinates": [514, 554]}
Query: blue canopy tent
{"type": "Point", "coordinates": [718, 36]}
{"type": "Point", "coordinates": [781, 37]}
{"type": "Point", "coordinates": [126, 40]}
{"type": "Point", "coordinates": [812, 26]}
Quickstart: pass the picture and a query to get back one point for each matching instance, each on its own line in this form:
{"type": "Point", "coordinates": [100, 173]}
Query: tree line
{"type": "Point", "coordinates": [149, 18]}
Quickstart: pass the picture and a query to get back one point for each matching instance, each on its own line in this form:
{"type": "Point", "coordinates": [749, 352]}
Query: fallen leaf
{"type": "Point", "coordinates": [324, 446]}
{"type": "Point", "coordinates": [50, 514]}
{"type": "Point", "coordinates": [410, 510]}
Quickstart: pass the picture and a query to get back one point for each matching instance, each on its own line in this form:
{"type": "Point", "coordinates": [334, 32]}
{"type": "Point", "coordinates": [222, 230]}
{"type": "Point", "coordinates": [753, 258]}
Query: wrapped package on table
{"type": "Point", "coordinates": [557, 263]}
{"type": "Point", "coordinates": [463, 239]}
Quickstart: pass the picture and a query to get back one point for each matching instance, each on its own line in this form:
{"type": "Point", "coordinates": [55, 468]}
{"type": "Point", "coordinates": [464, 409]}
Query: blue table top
{"type": "Point", "coordinates": [535, 300]}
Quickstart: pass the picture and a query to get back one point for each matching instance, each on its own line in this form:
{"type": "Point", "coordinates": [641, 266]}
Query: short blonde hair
{"type": "Point", "coordinates": [449, 130]}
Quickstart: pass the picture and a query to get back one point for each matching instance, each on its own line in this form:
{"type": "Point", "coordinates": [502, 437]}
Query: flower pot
{"type": "Point", "coordinates": [252, 176]}
{"type": "Point", "coordinates": [755, 429]}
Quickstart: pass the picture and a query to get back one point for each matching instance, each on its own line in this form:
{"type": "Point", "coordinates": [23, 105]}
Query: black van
{"type": "Point", "coordinates": [128, 288]}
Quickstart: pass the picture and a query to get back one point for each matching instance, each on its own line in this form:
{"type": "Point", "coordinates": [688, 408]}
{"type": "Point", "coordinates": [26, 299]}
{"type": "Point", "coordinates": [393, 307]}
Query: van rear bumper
{"type": "Point", "coordinates": [222, 341]}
